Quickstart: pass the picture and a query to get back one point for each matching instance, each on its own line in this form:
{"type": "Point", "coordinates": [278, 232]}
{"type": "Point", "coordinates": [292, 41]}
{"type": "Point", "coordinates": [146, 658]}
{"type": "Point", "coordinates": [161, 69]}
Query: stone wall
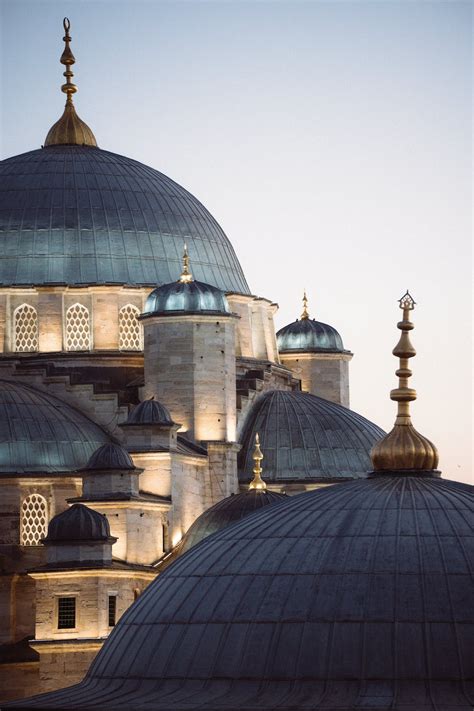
{"type": "Point", "coordinates": [323, 374]}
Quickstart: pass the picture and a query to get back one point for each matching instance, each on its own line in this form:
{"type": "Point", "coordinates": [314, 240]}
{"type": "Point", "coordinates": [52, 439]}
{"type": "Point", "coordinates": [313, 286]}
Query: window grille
{"type": "Point", "coordinates": [112, 610]}
{"type": "Point", "coordinates": [33, 520]}
{"type": "Point", "coordinates": [26, 329]}
{"type": "Point", "coordinates": [66, 613]}
{"type": "Point", "coordinates": [130, 329]}
{"type": "Point", "coordinates": [78, 332]}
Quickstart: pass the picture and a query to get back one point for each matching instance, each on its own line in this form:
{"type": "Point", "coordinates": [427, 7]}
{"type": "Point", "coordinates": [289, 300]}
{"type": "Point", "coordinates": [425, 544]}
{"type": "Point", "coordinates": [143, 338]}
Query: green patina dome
{"type": "Point", "coordinates": [39, 433]}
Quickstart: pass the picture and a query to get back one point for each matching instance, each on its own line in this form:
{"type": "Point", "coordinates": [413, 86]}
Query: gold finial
{"type": "Point", "coordinates": [404, 448]}
{"type": "Point", "coordinates": [257, 482]}
{"type": "Point", "coordinates": [186, 275]}
{"type": "Point", "coordinates": [69, 130]}
{"type": "Point", "coordinates": [305, 314]}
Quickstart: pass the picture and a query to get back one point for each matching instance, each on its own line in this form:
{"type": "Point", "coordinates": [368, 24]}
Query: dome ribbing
{"type": "Point", "coordinates": [78, 523]}
{"type": "Point", "coordinates": [81, 215]}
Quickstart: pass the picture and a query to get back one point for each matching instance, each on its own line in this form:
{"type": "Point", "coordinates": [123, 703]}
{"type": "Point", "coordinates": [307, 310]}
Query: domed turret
{"type": "Point", "coordinates": [78, 523]}
{"type": "Point", "coordinates": [186, 296]}
{"type": "Point", "coordinates": [314, 351]}
{"type": "Point", "coordinates": [110, 456]}
{"type": "Point", "coordinates": [348, 597]}
{"type": "Point", "coordinates": [150, 412]}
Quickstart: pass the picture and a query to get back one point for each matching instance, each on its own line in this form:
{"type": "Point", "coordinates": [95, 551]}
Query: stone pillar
{"type": "Point", "coordinates": [223, 479]}
{"type": "Point", "coordinates": [190, 368]}
{"type": "Point", "coordinates": [106, 320]}
{"type": "Point", "coordinates": [323, 374]}
{"type": "Point", "coordinates": [50, 320]}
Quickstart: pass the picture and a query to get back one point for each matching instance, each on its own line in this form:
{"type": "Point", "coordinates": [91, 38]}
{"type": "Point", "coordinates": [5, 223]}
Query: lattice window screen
{"type": "Point", "coordinates": [78, 331]}
{"type": "Point", "coordinates": [26, 329]}
{"type": "Point", "coordinates": [33, 520]}
{"type": "Point", "coordinates": [130, 329]}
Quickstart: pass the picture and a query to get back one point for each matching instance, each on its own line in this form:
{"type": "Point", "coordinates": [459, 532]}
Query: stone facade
{"type": "Point", "coordinates": [323, 374]}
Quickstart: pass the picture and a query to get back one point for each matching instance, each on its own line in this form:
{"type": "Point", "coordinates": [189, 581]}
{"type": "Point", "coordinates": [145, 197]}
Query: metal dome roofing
{"type": "Point", "coordinates": [229, 510]}
{"type": "Point", "coordinates": [310, 336]}
{"type": "Point", "coordinates": [347, 597]}
{"type": "Point", "coordinates": [81, 215]}
{"type": "Point", "coordinates": [192, 297]}
{"type": "Point", "coordinates": [78, 523]}
{"type": "Point", "coordinates": [110, 456]}
{"type": "Point", "coordinates": [305, 438]}
{"type": "Point", "coordinates": [39, 433]}
{"type": "Point", "coordinates": [149, 412]}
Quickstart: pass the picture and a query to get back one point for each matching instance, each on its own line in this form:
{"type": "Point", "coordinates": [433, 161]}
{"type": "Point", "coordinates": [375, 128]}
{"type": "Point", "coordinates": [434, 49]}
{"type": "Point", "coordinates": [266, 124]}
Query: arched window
{"type": "Point", "coordinates": [78, 330]}
{"type": "Point", "coordinates": [25, 324]}
{"type": "Point", "coordinates": [130, 329]}
{"type": "Point", "coordinates": [34, 520]}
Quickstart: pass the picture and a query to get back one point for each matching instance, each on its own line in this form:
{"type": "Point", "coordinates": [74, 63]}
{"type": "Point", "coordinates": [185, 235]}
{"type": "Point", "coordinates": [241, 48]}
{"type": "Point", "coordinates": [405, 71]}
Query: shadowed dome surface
{"type": "Point", "coordinates": [81, 215]}
{"type": "Point", "coordinates": [229, 510]}
{"type": "Point", "coordinates": [78, 523]}
{"type": "Point", "coordinates": [305, 438]}
{"type": "Point", "coordinates": [348, 597]}
{"type": "Point", "coordinates": [39, 433]}
{"type": "Point", "coordinates": [193, 297]}
{"type": "Point", "coordinates": [310, 336]}
{"type": "Point", "coordinates": [110, 456]}
{"type": "Point", "coordinates": [149, 412]}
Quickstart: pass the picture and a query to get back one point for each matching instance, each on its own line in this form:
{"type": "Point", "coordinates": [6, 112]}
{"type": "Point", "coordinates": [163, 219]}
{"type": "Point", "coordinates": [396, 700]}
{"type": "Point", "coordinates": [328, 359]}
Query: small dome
{"type": "Point", "coordinates": [110, 456]}
{"type": "Point", "coordinates": [192, 297]}
{"type": "Point", "coordinates": [149, 412]}
{"type": "Point", "coordinates": [229, 510]}
{"type": "Point", "coordinates": [309, 336]}
{"type": "Point", "coordinates": [40, 433]}
{"type": "Point", "coordinates": [79, 523]}
{"type": "Point", "coordinates": [305, 438]}
{"type": "Point", "coordinates": [347, 597]}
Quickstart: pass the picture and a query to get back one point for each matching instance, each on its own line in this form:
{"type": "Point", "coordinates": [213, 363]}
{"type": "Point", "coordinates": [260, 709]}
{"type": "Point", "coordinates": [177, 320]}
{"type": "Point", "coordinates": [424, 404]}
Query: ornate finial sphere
{"type": "Point", "coordinates": [404, 448]}
{"type": "Point", "coordinates": [257, 482]}
{"type": "Point", "coordinates": [305, 314]}
{"type": "Point", "coordinates": [186, 276]}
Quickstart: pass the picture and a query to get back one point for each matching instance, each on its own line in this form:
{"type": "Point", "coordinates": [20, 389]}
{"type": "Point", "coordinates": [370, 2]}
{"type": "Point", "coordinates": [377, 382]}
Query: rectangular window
{"type": "Point", "coordinates": [112, 610]}
{"type": "Point", "coordinates": [66, 613]}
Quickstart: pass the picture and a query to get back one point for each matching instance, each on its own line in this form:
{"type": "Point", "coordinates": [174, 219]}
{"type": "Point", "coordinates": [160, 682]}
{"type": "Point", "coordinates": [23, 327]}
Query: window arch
{"type": "Point", "coordinates": [130, 329]}
{"type": "Point", "coordinates": [25, 325]}
{"type": "Point", "coordinates": [78, 330]}
{"type": "Point", "coordinates": [34, 520]}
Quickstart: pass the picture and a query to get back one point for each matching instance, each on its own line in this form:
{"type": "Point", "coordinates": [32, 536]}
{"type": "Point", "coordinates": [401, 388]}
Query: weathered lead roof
{"type": "Point", "coordinates": [193, 297]}
{"type": "Point", "coordinates": [81, 215]}
{"type": "Point", "coordinates": [149, 412]}
{"type": "Point", "coordinates": [309, 336]}
{"type": "Point", "coordinates": [78, 523]}
{"type": "Point", "coordinates": [40, 433]}
{"type": "Point", "coordinates": [306, 438]}
{"type": "Point", "coordinates": [348, 597]}
{"type": "Point", "coordinates": [109, 456]}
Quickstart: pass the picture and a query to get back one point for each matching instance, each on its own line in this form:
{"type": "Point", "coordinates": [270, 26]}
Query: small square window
{"type": "Point", "coordinates": [112, 610]}
{"type": "Point", "coordinates": [66, 613]}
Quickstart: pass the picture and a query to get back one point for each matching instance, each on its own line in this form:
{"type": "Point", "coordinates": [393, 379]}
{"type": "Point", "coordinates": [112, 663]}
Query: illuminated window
{"type": "Point", "coordinates": [112, 610]}
{"type": "Point", "coordinates": [25, 321]}
{"type": "Point", "coordinates": [66, 613]}
{"type": "Point", "coordinates": [130, 329]}
{"type": "Point", "coordinates": [33, 520]}
{"type": "Point", "coordinates": [78, 331]}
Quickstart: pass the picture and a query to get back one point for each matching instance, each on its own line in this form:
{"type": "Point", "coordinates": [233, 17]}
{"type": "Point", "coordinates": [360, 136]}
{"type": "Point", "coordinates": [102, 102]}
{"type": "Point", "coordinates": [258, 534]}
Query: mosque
{"type": "Point", "coordinates": [142, 388]}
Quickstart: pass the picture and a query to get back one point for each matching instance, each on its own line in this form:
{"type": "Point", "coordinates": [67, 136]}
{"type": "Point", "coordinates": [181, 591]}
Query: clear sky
{"type": "Point", "coordinates": [331, 140]}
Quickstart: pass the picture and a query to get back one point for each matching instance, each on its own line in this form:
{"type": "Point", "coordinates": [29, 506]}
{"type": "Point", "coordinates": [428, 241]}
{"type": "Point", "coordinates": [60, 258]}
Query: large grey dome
{"type": "Point", "coordinates": [305, 438]}
{"type": "Point", "coordinates": [348, 597]}
{"type": "Point", "coordinates": [39, 433]}
{"type": "Point", "coordinates": [81, 215]}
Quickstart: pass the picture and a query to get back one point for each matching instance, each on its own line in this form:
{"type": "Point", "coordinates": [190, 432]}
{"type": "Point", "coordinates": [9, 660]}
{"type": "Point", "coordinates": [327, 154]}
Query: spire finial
{"type": "Point", "coordinates": [186, 275]}
{"type": "Point", "coordinates": [257, 481]}
{"type": "Point", "coordinates": [69, 130]}
{"type": "Point", "coordinates": [305, 314]}
{"type": "Point", "coordinates": [404, 448]}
